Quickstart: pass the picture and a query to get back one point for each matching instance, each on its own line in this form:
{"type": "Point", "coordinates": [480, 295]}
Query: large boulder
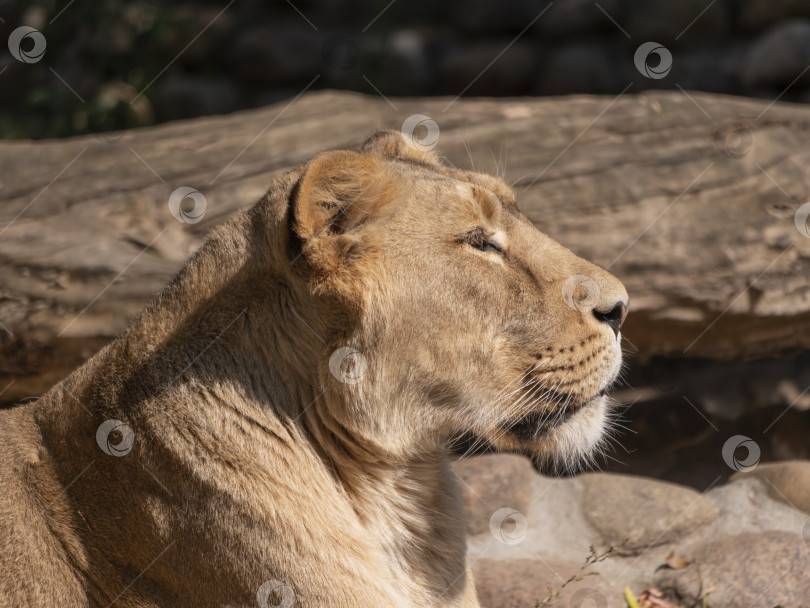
{"type": "Point", "coordinates": [637, 513]}
{"type": "Point", "coordinates": [522, 583]}
{"type": "Point", "coordinates": [788, 481]}
{"type": "Point", "coordinates": [492, 482]}
{"type": "Point", "coordinates": [759, 570]}
{"type": "Point", "coordinates": [691, 200]}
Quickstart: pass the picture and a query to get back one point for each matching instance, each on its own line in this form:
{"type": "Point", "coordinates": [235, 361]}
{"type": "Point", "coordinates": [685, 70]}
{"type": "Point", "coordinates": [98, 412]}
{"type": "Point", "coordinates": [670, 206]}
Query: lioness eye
{"type": "Point", "coordinates": [488, 246]}
{"type": "Point", "coordinates": [478, 239]}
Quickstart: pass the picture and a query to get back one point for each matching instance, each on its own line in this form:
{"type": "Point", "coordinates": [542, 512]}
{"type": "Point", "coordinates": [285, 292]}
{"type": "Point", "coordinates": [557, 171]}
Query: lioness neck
{"type": "Point", "coordinates": [410, 506]}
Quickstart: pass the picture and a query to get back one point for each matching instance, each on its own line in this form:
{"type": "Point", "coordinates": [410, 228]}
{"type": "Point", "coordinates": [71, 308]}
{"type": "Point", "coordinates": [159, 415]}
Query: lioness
{"type": "Point", "coordinates": [273, 428]}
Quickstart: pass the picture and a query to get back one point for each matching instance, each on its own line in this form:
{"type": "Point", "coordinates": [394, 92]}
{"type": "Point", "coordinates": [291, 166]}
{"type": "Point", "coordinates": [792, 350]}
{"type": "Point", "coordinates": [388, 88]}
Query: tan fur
{"type": "Point", "coordinates": [252, 461]}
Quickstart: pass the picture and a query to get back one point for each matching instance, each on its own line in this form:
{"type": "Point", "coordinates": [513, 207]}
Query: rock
{"type": "Point", "coordinates": [521, 583]}
{"type": "Point", "coordinates": [583, 68]}
{"type": "Point", "coordinates": [686, 235]}
{"type": "Point", "coordinates": [554, 527]}
{"type": "Point", "coordinates": [745, 506]}
{"type": "Point", "coordinates": [747, 571]}
{"type": "Point", "coordinates": [779, 56]}
{"type": "Point", "coordinates": [787, 482]}
{"type": "Point", "coordinates": [636, 513]}
{"type": "Point", "coordinates": [467, 68]}
{"type": "Point", "coordinates": [491, 482]}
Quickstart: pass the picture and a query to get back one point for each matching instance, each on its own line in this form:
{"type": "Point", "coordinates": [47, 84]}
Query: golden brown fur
{"type": "Point", "coordinates": [252, 459]}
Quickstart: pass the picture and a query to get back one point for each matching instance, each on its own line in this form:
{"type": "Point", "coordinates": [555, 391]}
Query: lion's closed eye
{"type": "Point", "coordinates": [479, 239]}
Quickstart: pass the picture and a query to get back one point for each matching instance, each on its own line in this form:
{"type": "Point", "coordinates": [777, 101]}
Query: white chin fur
{"type": "Point", "coordinates": [575, 443]}
{"type": "Point", "coordinates": [582, 437]}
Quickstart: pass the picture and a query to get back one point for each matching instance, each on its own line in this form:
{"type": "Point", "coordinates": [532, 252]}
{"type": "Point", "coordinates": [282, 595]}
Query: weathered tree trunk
{"type": "Point", "coordinates": [689, 199]}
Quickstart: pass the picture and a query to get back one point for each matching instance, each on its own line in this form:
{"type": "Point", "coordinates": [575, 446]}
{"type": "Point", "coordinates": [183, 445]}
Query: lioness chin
{"type": "Point", "coordinates": [273, 428]}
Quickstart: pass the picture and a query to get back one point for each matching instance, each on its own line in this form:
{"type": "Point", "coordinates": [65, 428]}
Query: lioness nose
{"type": "Point", "coordinates": [613, 317]}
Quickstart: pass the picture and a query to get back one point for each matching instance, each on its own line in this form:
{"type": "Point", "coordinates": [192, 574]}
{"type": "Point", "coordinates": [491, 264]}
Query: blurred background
{"type": "Point", "coordinates": [250, 53]}
{"type": "Point", "coordinates": [123, 64]}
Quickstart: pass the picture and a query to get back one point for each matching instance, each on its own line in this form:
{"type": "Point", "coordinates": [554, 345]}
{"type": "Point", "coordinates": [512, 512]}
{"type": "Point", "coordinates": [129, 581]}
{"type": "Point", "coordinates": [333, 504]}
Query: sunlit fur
{"type": "Point", "coordinates": [252, 460]}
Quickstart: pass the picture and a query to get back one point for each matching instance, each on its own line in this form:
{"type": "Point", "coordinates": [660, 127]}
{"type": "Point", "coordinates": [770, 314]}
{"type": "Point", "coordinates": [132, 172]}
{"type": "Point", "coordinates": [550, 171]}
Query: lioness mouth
{"type": "Point", "coordinates": [530, 427]}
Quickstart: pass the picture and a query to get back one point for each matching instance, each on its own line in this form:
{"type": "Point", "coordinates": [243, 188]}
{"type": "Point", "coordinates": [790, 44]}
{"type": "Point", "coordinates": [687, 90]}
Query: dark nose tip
{"type": "Point", "coordinates": [614, 317]}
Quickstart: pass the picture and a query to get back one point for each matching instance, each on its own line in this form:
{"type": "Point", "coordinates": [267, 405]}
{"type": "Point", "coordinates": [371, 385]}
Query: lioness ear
{"type": "Point", "coordinates": [340, 190]}
{"type": "Point", "coordinates": [338, 194]}
{"type": "Point", "coordinates": [394, 143]}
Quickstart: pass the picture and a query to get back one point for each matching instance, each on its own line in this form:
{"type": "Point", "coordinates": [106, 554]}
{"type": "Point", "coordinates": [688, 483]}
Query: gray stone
{"type": "Point", "coordinates": [759, 570]}
{"type": "Point", "coordinates": [787, 482]}
{"type": "Point", "coordinates": [744, 506]}
{"type": "Point", "coordinates": [636, 513]}
{"type": "Point", "coordinates": [491, 482]}
{"type": "Point", "coordinates": [779, 56]}
{"type": "Point", "coordinates": [521, 583]}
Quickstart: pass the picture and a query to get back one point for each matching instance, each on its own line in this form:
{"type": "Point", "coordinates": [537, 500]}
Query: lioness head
{"type": "Point", "coordinates": [450, 312]}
